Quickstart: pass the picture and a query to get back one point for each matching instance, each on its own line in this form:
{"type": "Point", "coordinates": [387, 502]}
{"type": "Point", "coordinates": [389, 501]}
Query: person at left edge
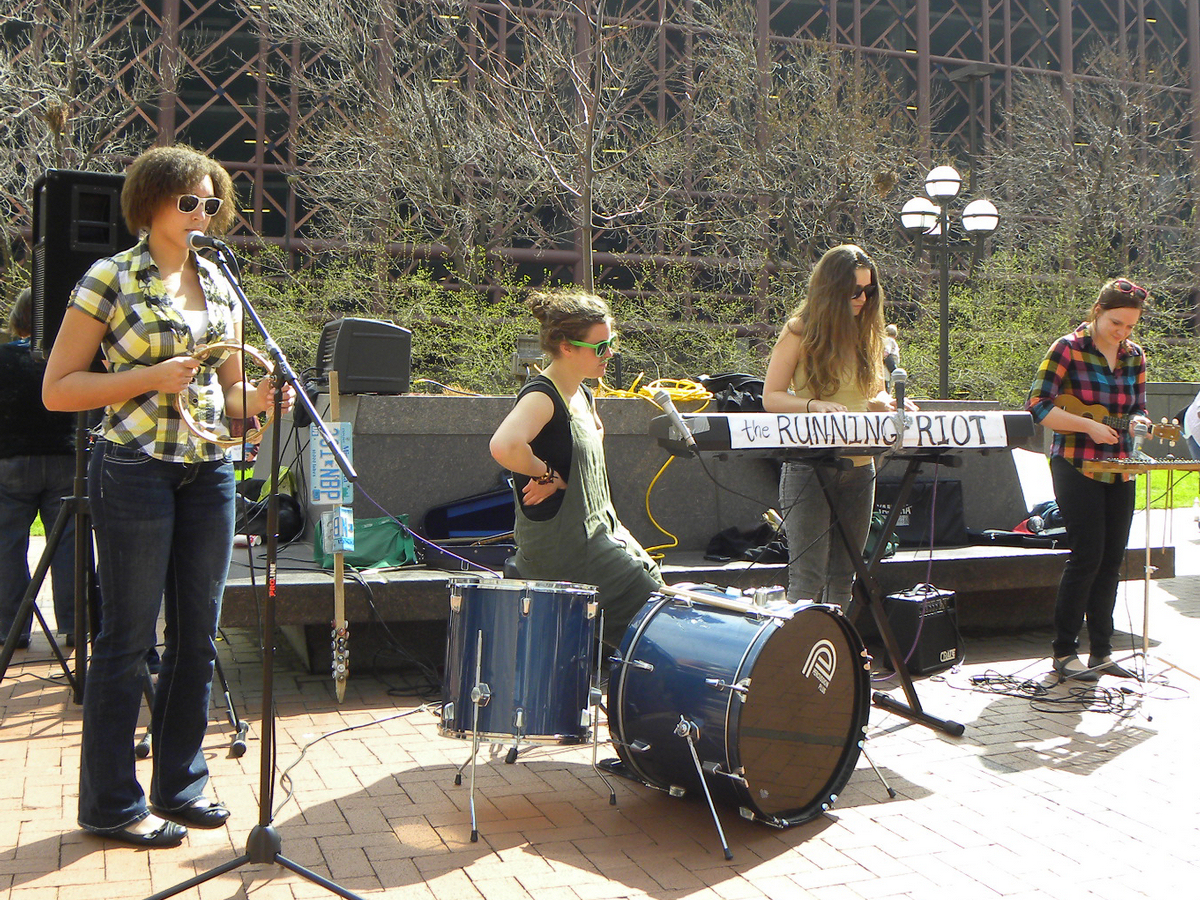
{"type": "Point", "coordinates": [161, 499]}
{"type": "Point", "coordinates": [553, 442]}
{"type": "Point", "coordinates": [37, 471]}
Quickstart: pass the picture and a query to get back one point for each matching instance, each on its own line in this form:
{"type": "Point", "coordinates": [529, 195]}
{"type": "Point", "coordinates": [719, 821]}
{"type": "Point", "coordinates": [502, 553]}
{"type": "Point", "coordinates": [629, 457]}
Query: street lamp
{"type": "Point", "coordinates": [931, 217]}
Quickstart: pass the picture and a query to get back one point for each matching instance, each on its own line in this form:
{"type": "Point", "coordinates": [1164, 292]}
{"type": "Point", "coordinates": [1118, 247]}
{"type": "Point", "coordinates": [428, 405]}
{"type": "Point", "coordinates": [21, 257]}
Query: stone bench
{"type": "Point", "coordinates": [998, 589]}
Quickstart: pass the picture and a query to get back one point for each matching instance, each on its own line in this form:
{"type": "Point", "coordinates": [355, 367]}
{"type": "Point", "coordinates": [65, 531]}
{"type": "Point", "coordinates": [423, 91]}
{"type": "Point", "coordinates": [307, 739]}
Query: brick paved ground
{"type": "Point", "coordinates": [1033, 801]}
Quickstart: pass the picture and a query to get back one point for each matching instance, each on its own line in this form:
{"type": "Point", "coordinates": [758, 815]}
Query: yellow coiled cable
{"type": "Point", "coordinates": [680, 390]}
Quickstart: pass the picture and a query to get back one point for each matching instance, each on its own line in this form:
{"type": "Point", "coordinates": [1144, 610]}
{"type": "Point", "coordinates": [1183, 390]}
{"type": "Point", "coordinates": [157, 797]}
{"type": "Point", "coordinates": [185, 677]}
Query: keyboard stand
{"type": "Point", "coordinates": [868, 593]}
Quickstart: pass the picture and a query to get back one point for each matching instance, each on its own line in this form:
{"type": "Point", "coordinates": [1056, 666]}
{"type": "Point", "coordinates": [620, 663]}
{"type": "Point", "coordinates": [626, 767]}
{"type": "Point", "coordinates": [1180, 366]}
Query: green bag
{"type": "Point", "coordinates": [378, 543]}
{"type": "Point", "coordinates": [878, 519]}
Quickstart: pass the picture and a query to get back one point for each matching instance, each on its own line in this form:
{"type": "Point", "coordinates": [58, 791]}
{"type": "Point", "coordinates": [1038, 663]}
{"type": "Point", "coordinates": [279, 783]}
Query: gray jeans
{"type": "Point", "coordinates": [819, 569]}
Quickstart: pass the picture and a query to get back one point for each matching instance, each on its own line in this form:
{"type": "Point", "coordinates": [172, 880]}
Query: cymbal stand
{"type": "Point", "coordinates": [1147, 572]}
{"type": "Point", "coordinates": [1145, 466]}
{"type": "Point", "coordinates": [265, 844]}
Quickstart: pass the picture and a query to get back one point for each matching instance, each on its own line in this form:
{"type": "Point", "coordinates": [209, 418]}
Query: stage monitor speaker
{"type": "Point", "coordinates": [369, 355]}
{"type": "Point", "coordinates": [925, 623]}
{"type": "Point", "coordinates": [76, 221]}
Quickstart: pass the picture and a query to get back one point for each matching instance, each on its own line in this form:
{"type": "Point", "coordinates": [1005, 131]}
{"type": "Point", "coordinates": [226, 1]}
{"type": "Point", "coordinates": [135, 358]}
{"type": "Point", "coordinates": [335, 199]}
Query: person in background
{"type": "Point", "coordinates": [891, 349]}
{"type": "Point", "coordinates": [1099, 365]}
{"type": "Point", "coordinates": [161, 498]}
{"type": "Point", "coordinates": [37, 470]}
{"type": "Point", "coordinates": [1191, 426]}
{"type": "Point", "coordinates": [829, 359]}
{"type": "Point", "coordinates": [553, 443]}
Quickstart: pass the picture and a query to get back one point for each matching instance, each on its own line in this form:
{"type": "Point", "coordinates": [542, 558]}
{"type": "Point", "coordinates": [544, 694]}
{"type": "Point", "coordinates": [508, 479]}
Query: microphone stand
{"type": "Point", "coordinates": [264, 844]}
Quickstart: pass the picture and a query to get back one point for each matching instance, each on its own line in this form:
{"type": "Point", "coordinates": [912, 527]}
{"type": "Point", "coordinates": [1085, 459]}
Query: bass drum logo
{"type": "Point", "coordinates": [821, 664]}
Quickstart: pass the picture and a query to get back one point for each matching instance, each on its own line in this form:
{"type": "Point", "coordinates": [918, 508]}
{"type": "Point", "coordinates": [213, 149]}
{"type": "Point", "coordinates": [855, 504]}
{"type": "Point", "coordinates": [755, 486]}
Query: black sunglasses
{"type": "Point", "coordinates": [869, 289]}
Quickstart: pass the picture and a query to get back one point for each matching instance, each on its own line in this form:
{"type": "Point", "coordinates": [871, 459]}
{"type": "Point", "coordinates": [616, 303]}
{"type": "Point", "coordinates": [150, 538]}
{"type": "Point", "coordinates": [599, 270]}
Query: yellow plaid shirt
{"type": "Point", "coordinates": [126, 292]}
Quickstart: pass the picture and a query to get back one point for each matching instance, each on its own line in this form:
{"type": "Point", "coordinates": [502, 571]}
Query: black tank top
{"type": "Point", "coordinates": [553, 444]}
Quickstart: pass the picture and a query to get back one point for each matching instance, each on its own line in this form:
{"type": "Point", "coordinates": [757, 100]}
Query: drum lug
{"type": "Point", "coordinates": [639, 747]}
{"type": "Point", "coordinates": [526, 605]}
{"type": "Point", "coordinates": [519, 719]}
{"type": "Point", "coordinates": [592, 608]}
{"type": "Point", "coordinates": [481, 694]}
{"type": "Point", "coordinates": [713, 768]}
{"type": "Point", "coordinates": [595, 696]}
{"type": "Point", "coordinates": [448, 712]}
{"type": "Point", "coordinates": [632, 663]}
{"type": "Point", "coordinates": [741, 689]}
{"type": "Point", "coordinates": [676, 791]}
{"type": "Point", "coordinates": [455, 601]}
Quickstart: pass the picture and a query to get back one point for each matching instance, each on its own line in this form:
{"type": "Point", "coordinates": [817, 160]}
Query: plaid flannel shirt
{"type": "Point", "coordinates": [1073, 365]}
{"type": "Point", "coordinates": [126, 292]}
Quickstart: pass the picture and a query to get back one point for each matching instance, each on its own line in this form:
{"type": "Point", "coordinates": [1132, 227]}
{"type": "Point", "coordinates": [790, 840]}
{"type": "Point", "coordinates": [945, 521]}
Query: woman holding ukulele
{"type": "Point", "coordinates": [1099, 365]}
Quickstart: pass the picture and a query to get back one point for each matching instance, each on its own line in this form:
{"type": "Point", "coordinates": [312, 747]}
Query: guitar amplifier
{"type": "Point", "coordinates": [925, 623]}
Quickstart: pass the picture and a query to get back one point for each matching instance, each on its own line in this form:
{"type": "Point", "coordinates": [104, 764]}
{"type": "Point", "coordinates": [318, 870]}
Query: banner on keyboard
{"type": "Point", "coordinates": [923, 430]}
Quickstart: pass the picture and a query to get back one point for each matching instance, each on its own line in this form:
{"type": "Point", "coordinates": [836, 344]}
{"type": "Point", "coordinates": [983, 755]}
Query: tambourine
{"type": "Point", "coordinates": [202, 353]}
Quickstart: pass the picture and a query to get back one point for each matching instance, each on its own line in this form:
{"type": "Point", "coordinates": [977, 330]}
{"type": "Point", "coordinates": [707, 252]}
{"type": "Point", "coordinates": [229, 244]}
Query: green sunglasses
{"type": "Point", "coordinates": [601, 348]}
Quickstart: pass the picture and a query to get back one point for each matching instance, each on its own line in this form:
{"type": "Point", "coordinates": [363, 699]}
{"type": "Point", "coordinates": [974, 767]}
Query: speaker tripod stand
{"type": "Point", "coordinates": [265, 845]}
{"type": "Point", "coordinates": [74, 508]}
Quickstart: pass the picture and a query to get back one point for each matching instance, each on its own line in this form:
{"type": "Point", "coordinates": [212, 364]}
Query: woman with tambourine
{"type": "Point", "coordinates": [1096, 365]}
{"type": "Point", "coordinates": [161, 497]}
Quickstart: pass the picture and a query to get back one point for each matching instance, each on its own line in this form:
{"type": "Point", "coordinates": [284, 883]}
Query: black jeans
{"type": "Point", "coordinates": [1097, 516]}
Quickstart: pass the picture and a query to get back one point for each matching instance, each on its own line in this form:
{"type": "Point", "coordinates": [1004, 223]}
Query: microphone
{"type": "Point", "coordinates": [198, 240]}
{"type": "Point", "coordinates": [899, 380]}
{"type": "Point", "coordinates": [663, 399]}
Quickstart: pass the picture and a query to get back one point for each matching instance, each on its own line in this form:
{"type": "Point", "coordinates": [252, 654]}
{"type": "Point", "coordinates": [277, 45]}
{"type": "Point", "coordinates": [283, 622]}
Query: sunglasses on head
{"type": "Point", "coordinates": [1125, 286]}
{"type": "Point", "coordinates": [869, 289]}
{"type": "Point", "coordinates": [601, 348]}
{"type": "Point", "coordinates": [187, 203]}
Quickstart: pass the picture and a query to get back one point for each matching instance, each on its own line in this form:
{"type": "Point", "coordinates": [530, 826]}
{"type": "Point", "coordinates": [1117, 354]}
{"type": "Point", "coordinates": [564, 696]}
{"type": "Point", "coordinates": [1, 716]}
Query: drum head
{"type": "Point", "coordinates": [799, 732]}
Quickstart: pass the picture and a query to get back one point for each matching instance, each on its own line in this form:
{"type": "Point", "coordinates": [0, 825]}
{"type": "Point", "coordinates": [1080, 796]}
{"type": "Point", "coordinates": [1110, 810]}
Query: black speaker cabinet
{"type": "Point", "coordinates": [76, 221]}
{"type": "Point", "coordinates": [925, 623]}
{"type": "Point", "coordinates": [370, 356]}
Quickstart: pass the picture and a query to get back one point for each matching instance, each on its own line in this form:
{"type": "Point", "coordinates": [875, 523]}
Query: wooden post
{"type": "Point", "coordinates": [340, 628]}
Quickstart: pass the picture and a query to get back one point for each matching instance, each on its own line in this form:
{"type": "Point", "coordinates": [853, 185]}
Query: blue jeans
{"type": "Point", "coordinates": [819, 569]}
{"type": "Point", "coordinates": [1097, 516]}
{"type": "Point", "coordinates": [29, 486]}
{"type": "Point", "coordinates": [164, 533]}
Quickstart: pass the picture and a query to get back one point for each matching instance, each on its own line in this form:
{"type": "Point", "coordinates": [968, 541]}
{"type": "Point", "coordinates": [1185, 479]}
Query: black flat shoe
{"type": "Point", "coordinates": [201, 813]}
{"type": "Point", "coordinates": [168, 834]}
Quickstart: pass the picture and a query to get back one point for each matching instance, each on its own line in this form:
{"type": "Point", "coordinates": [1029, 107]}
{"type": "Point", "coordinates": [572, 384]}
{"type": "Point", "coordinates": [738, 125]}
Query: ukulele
{"type": "Point", "coordinates": [1163, 432]}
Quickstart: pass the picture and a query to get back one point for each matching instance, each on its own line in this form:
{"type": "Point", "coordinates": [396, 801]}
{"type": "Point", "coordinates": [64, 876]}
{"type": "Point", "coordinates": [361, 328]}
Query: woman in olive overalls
{"type": "Point", "coordinates": [553, 443]}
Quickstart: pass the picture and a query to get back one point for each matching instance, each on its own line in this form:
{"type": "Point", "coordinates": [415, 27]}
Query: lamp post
{"type": "Point", "coordinates": [931, 217]}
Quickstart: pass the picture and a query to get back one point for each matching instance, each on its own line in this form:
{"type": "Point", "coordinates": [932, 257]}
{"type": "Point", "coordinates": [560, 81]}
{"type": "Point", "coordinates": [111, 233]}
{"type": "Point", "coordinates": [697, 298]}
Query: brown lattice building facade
{"type": "Point", "coordinates": [214, 74]}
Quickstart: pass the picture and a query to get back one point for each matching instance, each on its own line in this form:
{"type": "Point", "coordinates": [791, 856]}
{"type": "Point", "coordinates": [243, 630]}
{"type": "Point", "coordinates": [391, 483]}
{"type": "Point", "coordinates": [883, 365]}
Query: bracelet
{"type": "Point", "coordinates": [548, 478]}
{"type": "Point", "coordinates": [808, 405]}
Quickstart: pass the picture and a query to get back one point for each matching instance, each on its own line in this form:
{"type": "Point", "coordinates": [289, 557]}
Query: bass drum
{"type": "Point", "coordinates": [532, 644]}
{"type": "Point", "coordinates": [779, 696]}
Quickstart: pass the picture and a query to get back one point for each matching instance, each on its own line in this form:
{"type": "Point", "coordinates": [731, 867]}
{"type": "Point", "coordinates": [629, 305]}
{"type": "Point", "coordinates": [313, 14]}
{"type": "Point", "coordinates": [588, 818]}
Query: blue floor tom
{"type": "Point", "coordinates": [538, 640]}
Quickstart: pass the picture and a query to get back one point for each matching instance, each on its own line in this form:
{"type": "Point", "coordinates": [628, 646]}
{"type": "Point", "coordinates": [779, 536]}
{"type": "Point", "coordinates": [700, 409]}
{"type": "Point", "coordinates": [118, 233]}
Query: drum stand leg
{"type": "Point", "coordinates": [691, 731]}
{"type": "Point", "coordinates": [891, 792]}
{"type": "Point", "coordinates": [480, 694]}
{"type": "Point", "coordinates": [596, 695]}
